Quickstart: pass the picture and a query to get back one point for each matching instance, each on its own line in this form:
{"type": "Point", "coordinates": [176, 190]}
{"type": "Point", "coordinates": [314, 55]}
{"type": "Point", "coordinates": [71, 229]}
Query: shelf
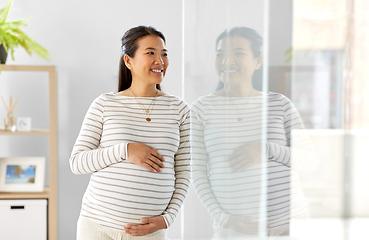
{"type": "Point", "coordinates": [50, 193]}
{"type": "Point", "coordinates": [6, 67]}
{"type": "Point", "coordinates": [25, 195]}
{"type": "Point", "coordinates": [32, 132]}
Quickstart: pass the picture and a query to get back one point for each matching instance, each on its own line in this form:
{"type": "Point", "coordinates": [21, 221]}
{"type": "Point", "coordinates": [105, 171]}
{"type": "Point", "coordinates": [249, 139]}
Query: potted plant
{"type": "Point", "coordinates": [12, 36]}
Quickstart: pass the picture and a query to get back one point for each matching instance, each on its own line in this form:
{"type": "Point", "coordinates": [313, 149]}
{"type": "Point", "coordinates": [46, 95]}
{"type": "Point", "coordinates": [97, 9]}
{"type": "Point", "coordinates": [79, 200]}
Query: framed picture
{"type": "Point", "coordinates": [22, 174]}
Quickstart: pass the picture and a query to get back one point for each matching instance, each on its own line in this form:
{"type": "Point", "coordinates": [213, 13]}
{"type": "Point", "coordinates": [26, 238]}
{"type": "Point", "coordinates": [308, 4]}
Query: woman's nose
{"type": "Point", "coordinates": [228, 59]}
{"type": "Point", "coordinates": [159, 60]}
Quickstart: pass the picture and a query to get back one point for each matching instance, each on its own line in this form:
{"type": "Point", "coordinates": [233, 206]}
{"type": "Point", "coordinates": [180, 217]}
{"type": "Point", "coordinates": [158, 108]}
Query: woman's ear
{"type": "Point", "coordinates": [127, 61]}
{"type": "Point", "coordinates": [259, 62]}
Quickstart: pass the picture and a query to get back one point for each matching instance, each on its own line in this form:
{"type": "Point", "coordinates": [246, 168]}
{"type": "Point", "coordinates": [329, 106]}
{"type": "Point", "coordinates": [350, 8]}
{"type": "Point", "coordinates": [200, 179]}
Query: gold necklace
{"type": "Point", "coordinates": [239, 110]}
{"type": "Point", "coordinates": [146, 111]}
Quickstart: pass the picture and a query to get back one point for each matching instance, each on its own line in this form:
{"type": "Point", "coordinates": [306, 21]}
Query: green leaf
{"type": "Point", "coordinates": [4, 12]}
{"type": "Point", "coordinates": [11, 36]}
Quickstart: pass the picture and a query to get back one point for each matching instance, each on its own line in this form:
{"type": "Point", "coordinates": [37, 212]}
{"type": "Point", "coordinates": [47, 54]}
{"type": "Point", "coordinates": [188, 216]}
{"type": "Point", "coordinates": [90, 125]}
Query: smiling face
{"type": "Point", "coordinates": [150, 61]}
{"type": "Point", "coordinates": [235, 62]}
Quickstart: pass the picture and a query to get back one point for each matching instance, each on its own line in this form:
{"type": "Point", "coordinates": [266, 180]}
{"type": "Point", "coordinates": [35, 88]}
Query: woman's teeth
{"type": "Point", "coordinates": [229, 71]}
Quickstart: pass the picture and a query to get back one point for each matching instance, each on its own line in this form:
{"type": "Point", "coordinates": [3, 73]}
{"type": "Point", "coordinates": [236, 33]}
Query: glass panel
{"type": "Point", "coordinates": [237, 123]}
{"type": "Point", "coordinates": [278, 137]}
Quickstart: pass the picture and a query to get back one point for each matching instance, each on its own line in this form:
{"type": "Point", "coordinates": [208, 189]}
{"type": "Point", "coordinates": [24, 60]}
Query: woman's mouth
{"type": "Point", "coordinates": [157, 70]}
{"type": "Point", "coordinates": [229, 71]}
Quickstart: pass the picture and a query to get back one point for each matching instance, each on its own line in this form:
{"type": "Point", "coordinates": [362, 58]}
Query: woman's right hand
{"type": "Point", "coordinates": [246, 156]}
{"type": "Point", "coordinates": [145, 156]}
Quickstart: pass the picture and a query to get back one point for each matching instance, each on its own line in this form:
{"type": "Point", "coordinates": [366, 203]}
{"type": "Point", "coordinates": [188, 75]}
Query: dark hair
{"type": "Point", "coordinates": [129, 47]}
{"type": "Point", "coordinates": [256, 45]}
{"type": "Point", "coordinates": [250, 34]}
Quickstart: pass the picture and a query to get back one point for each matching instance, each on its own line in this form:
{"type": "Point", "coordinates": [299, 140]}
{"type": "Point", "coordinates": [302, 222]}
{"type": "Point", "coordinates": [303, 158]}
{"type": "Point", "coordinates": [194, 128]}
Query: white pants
{"type": "Point", "coordinates": [89, 230]}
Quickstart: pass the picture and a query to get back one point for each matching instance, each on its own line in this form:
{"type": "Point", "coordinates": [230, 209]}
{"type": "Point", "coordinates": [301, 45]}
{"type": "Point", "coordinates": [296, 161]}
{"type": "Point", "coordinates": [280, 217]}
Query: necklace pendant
{"type": "Point", "coordinates": [239, 119]}
{"type": "Point", "coordinates": [239, 111]}
{"type": "Point", "coordinates": [148, 119]}
{"type": "Point", "coordinates": [147, 111]}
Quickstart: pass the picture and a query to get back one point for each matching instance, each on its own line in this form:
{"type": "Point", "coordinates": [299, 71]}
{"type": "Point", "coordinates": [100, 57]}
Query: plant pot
{"type": "Point", "coordinates": [3, 54]}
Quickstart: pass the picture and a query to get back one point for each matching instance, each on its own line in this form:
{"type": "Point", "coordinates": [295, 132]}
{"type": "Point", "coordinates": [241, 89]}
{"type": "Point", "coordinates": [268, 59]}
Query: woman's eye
{"type": "Point", "coordinates": [239, 53]}
{"type": "Point", "coordinates": [150, 53]}
{"type": "Point", "coordinates": [165, 54]}
{"type": "Point", "coordinates": [219, 55]}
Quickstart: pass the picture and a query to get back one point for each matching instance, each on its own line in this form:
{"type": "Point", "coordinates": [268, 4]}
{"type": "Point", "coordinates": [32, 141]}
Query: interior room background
{"type": "Point", "coordinates": [325, 79]}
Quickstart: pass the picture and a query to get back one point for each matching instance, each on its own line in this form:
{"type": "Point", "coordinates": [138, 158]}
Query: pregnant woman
{"type": "Point", "coordinates": [243, 153]}
{"type": "Point", "coordinates": [136, 145]}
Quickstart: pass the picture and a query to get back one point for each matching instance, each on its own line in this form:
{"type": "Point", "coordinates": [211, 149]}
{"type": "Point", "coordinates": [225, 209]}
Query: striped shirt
{"type": "Point", "coordinates": [217, 133]}
{"type": "Point", "coordinates": [120, 192]}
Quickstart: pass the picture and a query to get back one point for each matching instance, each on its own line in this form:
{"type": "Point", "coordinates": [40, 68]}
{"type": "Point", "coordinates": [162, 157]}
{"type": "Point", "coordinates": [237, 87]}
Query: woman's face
{"type": "Point", "coordinates": [150, 60]}
{"type": "Point", "coordinates": [235, 62]}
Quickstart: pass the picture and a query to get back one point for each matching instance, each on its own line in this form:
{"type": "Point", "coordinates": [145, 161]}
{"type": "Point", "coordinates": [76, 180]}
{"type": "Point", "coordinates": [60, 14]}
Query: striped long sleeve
{"type": "Point", "coordinates": [120, 192]}
{"type": "Point", "coordinates": [200, 161]}
{"type": "Point", "coordinates": [87, 155]}
{"type": "Point", "coordinates": [298, 152]}
{"type": "Point", "coordinates": [182, 167]}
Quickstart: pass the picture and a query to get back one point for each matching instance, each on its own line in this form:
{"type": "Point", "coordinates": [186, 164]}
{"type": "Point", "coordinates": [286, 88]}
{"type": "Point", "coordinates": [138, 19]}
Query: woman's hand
{"type": "Point", "coordinates": [151, 225]}
{"type": "Point", "coordinates": [246, 156]}
{"type": "Point", "coordinates": [145, 156]}
{"type": "Point", "coordinates": [244, 225]}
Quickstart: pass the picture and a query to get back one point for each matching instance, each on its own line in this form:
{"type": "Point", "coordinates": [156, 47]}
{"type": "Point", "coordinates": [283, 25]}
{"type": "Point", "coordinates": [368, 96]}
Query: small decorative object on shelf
{"type": "Point", "coordinates": [10, 123]}
{"type": "Point", "coordinates": [22, 174]}
{"type": "Point", "coordinates": [24, 124]}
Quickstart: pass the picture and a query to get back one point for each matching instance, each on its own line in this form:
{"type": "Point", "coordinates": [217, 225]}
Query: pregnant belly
{"type": "Point", "coordinates": [240, 193]}
{"type": "Point", "coordinates": [124, 193]}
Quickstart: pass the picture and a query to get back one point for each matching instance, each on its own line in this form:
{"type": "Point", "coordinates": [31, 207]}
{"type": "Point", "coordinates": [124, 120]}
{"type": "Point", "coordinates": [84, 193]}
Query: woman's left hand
{"type": "Point", "coordinates": [151, 225]}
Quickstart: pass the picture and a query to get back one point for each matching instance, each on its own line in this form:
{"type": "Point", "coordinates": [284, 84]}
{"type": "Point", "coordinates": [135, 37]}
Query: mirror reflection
{"type": "Point", "coordinates": [244, 164]}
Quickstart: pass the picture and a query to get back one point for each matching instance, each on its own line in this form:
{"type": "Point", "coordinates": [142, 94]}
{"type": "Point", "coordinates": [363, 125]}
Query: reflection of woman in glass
{"type": "Point", "coordinates": [136, 145]}
{"type": "Point", "coordinates": [242, 146]}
